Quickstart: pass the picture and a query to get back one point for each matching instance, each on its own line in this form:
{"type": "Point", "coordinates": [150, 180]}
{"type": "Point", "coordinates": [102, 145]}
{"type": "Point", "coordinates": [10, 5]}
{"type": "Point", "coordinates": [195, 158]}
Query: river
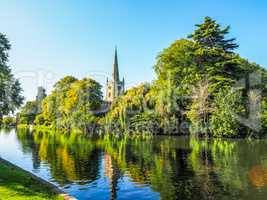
{"type": "Point", "coordinates": [133, 168]}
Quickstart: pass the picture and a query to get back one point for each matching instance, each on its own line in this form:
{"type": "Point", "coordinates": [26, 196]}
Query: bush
{"type": "Point", "coordinates": [39, 119]}
{"type": "Point", "coordinates": [9, 121]}
{"type": "Point", "coordinates": [224, 122]}
{"type": "Point", "coordinates": [27, 118]}
{"type": "Point", "coordinates": [146, 122]}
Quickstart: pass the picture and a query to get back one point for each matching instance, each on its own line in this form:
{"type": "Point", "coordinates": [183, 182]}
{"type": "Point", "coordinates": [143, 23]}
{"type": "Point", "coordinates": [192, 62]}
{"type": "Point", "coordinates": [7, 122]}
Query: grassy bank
{"type": "Point", "coordinates": [16, 184]}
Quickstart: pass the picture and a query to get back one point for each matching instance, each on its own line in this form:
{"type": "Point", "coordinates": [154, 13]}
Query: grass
{"type": "Point", "coordinates": [18, 185]}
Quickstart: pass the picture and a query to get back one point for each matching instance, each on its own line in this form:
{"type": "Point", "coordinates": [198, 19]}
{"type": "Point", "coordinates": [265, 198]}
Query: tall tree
{"type": "Point", "coordinates": [10, 89]}
{"type": "Point", "coordinates": [72, 104]}
{"type": "Point", "coordinates": [211, 35]}
{"type": "Point", "coordinates": [83, 98]}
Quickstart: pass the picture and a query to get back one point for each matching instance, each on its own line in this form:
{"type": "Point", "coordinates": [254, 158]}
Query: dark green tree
{"type": "Point", "coordinates": [10, 89]}
{"type": "Point", "coordinates": [211, 35]}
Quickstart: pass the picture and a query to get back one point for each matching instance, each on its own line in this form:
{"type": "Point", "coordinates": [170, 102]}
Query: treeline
{"type": "Point", "coordinates": [203, 88]}
{"type": "Point", "coordinates": [69, 107]}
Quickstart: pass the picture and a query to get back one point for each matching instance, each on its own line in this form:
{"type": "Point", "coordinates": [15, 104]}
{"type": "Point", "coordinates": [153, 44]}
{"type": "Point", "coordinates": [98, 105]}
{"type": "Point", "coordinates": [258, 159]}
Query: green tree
{"type": "Point", "coordinates": [28, 112]}
{"type": "Point", "coordinates": [72, 104]}
{"type": "Point", "coordinates": [132, 103]}
{"type": "Point", "coordinates": [82, 100]}
{"type": "Point", "coordinates": [177, 72]}
{"type": "Point", "coordinates": [214, 54]}
{"type": "Point", "coordinates": [53, 110]}
{"type": "Point", "coordinates": [179, 94]}
{"type": "Point", "coordinates": [10, 89]}
{"type": "Point", "coordinates": [200, 108]}
{"type": "Point", "coordinates": [228, 105]}
{"type": "Point", "coordinates": [211, 35]}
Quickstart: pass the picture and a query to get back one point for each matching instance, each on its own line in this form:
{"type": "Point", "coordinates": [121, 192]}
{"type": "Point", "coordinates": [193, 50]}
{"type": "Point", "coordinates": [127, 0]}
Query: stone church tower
{"type": "Point", "coordinates": [114, 87]}
{"type": "Point", "coordinates": [41, 94]}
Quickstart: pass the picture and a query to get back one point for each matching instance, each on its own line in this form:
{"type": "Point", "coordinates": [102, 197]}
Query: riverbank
{"type": "Point", "coordinates": [18, 184]}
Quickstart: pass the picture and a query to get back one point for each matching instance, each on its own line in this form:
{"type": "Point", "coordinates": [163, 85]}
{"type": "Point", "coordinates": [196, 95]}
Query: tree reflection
{"type": "Point", "coordinates": [70, 159]}
{"type": "Point", "coordinates": [175, 167]}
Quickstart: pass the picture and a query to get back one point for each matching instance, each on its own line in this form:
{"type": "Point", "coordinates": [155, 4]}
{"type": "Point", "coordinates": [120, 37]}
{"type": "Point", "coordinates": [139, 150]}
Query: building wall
{"type": "Point", "coordinates": [113, 90]}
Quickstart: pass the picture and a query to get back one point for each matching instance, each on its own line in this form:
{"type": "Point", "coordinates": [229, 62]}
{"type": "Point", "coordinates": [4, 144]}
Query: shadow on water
{"type": "Point", "coordinates": [152, 168]}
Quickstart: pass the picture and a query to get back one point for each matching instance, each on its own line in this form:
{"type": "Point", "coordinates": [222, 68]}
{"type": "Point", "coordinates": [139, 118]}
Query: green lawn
{"type": "Point", "coordinates": [17, 185]}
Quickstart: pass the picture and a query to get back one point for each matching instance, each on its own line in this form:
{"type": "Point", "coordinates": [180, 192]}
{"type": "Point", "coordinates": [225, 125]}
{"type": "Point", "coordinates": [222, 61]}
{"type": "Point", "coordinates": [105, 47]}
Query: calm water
{"type": "Point", "coordinates": [159, 168]}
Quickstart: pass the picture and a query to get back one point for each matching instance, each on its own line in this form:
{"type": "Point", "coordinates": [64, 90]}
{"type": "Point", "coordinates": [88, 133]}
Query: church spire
{"type": "Point", "coordinates": [115, 87]}
{"type": "Point", "coordinates": [116, 76]}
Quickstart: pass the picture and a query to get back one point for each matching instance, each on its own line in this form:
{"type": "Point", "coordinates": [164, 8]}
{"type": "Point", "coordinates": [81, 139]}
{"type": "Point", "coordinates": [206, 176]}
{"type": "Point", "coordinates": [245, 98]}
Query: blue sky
{"type": "Point", "coordinates": [51, 39]}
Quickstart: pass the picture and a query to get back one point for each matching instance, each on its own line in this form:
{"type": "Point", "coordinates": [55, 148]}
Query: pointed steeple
{"type": "Point", "coordinates": [114, 87]}
{"type": "Point", "coordinates": [115, 74]}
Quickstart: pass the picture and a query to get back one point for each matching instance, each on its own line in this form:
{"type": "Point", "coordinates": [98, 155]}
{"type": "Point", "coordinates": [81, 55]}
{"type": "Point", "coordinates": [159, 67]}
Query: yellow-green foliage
{"type": "Point", "coordinates": [71, 103]}
{"type": "Point", "coordinates": [9, 121]}
{"type": "Point", "coordinates": [130, 104]}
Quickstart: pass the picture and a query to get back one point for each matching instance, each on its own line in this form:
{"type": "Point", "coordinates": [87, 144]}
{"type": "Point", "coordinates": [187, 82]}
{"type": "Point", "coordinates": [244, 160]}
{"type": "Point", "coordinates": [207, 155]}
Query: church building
{"type": "Point", "coordinates": [114, 87]}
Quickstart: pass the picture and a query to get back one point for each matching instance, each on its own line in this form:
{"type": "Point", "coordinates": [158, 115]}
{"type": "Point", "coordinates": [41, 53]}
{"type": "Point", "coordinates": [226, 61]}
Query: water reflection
{"type": "Point", "coordinates": [162, 167]}
{"type": "Point", "coordinates": [113, 173]}
{"type": "Point", "coordinates": [258, 176]}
